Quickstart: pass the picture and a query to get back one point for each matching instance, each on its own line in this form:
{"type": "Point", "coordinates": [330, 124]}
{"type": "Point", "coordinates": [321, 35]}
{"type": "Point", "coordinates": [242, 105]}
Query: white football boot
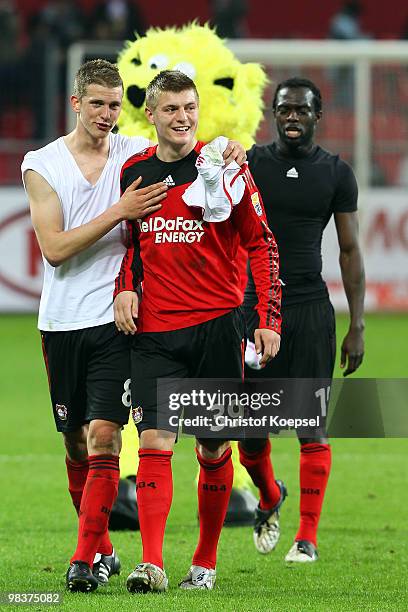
{"type": "Point", "coordinates": [199, 578]}
{"type": "Point", "coordinates": [302, 551]}
{"type": "Point", "coordinates": [146, 578]}
{"type": "Point", "coordinates": [266, 524]}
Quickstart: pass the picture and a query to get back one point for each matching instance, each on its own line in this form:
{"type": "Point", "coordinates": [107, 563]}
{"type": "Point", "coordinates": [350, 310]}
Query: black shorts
{"type": "Point", "coordinates": [88, 374]}
{"type": "Point", "coordinates": [307, 351]}
{"type": "Point", "coordinates": [308, 343]}
{"type": "Point", "coordinates": [213, 349]}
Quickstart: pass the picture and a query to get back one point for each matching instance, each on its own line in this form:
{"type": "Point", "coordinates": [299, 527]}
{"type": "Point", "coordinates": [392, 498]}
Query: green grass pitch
{"type": "Point", "coordinates": [363, 533]}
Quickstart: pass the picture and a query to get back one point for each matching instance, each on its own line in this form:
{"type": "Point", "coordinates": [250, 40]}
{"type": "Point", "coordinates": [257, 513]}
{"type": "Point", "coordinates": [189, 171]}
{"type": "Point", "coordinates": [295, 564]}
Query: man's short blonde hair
{"type": "Point", "coordinates": [98, 71]}
{"type": "Point", "coordinates": [168, 80]}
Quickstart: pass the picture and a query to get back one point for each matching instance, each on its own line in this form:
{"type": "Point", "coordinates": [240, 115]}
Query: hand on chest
{"type": "Point", "coordinates": [175, 222]}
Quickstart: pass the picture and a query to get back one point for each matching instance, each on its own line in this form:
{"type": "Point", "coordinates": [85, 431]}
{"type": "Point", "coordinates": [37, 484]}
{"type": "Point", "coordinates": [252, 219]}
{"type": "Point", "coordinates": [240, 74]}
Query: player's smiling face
{"type": "Point", "coordinates": [99, 109]}
{"type": "Point", "coordinates": [175, 118]}
{"type": "Point", "coordinates": [296, 118]}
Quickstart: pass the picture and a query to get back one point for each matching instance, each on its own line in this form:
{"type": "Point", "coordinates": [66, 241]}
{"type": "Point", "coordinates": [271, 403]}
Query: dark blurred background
{"type": "Point", "coordinates": [35, 37]}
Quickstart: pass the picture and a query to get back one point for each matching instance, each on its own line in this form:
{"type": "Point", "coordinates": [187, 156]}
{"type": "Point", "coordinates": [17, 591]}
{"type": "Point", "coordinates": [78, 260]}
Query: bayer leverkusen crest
{"type": "Point", "coordinates": [137, 414]}
{"type": "Point", "coordinates": [62, 411]}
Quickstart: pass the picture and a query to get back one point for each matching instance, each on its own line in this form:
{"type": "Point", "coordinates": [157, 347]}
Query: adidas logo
{"type": "Point", "coordinates": [292, 173]}
{"type": "Point", "coordinates": [169, 181]}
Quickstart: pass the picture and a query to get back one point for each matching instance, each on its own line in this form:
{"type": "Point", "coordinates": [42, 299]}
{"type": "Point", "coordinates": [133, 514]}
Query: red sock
{"type": "Point", "coordinates": [105, 546]}
{"type": "Point", "coordinates": [315, 462]}
{"type": "Point", "coordinates": [214, 490]}
{"type": "Point", "coordinates": [99, 494]}
{"type": "Point", "coordinates": [77, 472]}
{"type": "Point", "coordinates": [154, 490]}
{"type": "Point", "coordinates": [259, 467]}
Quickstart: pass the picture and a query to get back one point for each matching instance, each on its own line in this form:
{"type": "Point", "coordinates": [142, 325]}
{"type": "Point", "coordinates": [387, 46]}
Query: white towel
{"type": "Point", "coordinates": [212, 190]}
{"type": "Point", "coordinates": [252, 358]}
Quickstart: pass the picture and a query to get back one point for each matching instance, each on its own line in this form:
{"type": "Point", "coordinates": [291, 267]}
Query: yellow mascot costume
{"type": "Point", "coordinates": [230, 105]}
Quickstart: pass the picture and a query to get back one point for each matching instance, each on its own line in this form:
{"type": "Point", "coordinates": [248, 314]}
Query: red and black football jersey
{"type": "Point", "coordinates": [188, 266]}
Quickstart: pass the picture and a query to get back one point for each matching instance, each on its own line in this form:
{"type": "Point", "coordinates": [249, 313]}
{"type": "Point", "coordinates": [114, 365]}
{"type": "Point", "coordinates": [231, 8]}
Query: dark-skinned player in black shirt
{"type": "Point", "coordinates": [302, 185]}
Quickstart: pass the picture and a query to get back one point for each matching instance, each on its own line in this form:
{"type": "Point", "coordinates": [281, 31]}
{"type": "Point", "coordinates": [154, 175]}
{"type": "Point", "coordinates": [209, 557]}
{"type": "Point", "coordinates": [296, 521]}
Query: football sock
{"type": "Point", "coordinates": [214, 490]}
{"type": "Point", "coordinates": [77, 472]}
{"type": "Point", "coordinates": [99, 494]}
{"type": "Point", "coordinates": [154, 490]}
{"type": "Point", "coordinates": [315, 462]}
{"type": "Point", "coordinates": [105, 545]}
{"type": "Point", "coordinates": [259, 467]}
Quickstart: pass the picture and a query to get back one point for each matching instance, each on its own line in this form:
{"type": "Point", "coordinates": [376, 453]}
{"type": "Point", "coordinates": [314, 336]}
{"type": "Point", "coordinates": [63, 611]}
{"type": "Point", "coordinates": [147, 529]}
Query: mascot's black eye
{"type": "Point", "coordinates": [227, 82]}
{"type": "Point", "coordinates": [136, 61]}
{"type": "Point", "coordinates": [136, 95]}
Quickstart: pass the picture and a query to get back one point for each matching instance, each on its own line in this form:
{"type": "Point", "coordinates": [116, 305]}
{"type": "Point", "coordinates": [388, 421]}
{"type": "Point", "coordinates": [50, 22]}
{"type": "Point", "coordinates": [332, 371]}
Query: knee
{"type": "Point", "coordinates": [76, 444]}
{"type": "Point", "coordinates": [157, 439]}
{"type": "Point", "coordinates": [104, 437]}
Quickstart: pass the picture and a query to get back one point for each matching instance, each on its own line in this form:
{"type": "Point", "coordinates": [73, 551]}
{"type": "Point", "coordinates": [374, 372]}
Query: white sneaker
{"type": "Point", "coordinates": [147, 577]}
{"type": "Point", "coordinates": [199, 578]}
{"type": "Point", "coordinates": [302, 551]}
{"type": "Point", "coordinates": [266, 524]}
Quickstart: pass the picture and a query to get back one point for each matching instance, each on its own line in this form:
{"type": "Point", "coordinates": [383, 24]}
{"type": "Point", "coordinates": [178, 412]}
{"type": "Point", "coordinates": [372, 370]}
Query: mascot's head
{"type": "Point", "coordinates": [230, 92]}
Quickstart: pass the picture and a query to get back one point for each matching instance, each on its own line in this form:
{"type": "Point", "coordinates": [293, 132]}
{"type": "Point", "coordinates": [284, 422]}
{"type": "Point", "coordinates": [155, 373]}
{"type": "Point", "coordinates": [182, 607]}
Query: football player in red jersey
{"type": "Point", "coordinates": [189, 323]}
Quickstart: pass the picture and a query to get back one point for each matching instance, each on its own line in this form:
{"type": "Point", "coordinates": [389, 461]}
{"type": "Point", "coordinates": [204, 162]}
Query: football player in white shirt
{"type": "Point", "coordinates": [74, 193]}
{"type": "Point", "coordinates": [76, 209]}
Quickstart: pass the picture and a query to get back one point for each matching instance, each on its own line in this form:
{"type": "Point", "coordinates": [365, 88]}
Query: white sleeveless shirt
{"type": "Point", "coordinates": [78, 293]}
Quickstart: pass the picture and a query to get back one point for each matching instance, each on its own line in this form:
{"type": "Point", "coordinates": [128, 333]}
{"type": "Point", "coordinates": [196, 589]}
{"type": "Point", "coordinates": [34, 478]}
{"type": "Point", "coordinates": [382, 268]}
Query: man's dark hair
{"type": "Point", "coordinates": [296, 83]}
{"type": "Point", "coordinates": [168, 80]}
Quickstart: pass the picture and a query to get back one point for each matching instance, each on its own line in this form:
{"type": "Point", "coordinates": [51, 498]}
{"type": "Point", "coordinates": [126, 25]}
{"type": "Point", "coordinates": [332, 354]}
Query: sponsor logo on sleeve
{"type": "Point", "coordinates": [256, 203]}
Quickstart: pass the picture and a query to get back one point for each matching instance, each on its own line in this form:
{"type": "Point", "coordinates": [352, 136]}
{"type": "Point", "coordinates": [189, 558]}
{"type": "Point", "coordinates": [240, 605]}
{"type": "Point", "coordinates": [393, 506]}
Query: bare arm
{"type": "Point", "coordinates": [352, 272]}
{"type": "Point", "coordinates": [58, 245]}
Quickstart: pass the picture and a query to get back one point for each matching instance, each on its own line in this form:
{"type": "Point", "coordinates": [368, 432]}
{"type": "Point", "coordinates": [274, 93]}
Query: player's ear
{"type": "Point", "coordinates": [318, 116]}
{"type": "Point", "coordinates": [75, 103]}
{"type": "Point", "coordinates": [149, 115]}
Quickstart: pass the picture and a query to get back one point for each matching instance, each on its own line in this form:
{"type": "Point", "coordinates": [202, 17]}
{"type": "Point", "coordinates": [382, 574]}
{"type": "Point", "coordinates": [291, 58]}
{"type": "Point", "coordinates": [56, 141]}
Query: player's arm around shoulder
{"type": "Point", "coordinates": [59, 245]}
{"type": "Point", "coordinates": [234, 152]}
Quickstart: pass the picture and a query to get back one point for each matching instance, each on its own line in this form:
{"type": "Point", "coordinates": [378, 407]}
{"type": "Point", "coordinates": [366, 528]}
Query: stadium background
{"type": "Point", "coordinates": [363, 532]}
